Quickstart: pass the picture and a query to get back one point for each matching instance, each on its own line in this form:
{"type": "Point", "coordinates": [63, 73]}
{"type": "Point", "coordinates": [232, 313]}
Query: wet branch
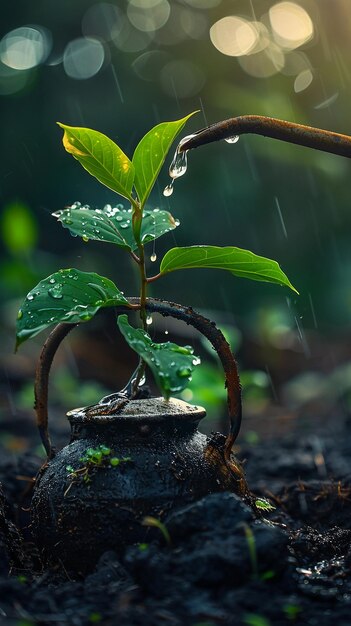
{"type": "Point", "coordinates": [308, 136]}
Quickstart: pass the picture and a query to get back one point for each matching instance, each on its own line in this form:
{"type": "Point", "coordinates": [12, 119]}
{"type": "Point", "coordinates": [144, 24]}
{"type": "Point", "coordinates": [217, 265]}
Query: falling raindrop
{"type": "Point", "coordinates": [233, 139]}
{"type": "Point", "coordinates": [153, 257]}
{"type": "Point", "coordinates": [149, 320]}
{"type": "Point", "coordinates": [168, 190]}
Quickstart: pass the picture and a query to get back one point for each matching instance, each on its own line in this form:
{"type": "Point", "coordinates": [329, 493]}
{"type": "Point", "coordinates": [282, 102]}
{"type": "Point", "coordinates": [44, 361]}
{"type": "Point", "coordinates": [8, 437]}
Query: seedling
{"type": "Point", "coordinates": [156, 523]}
{"type": "Point", "coordinates": [264, 505]}
{"type": "Point", "coordinates": [94, 458]}
{"type": "Point", "coordinates": [73, 296]}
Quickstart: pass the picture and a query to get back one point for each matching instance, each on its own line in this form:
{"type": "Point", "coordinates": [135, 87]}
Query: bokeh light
{"type": "Point", "coordinates": [182, 79]}
{"type": "Point", "coordinates": [130, 39]}
{"type": "Point", "coordinates": [295, 63]}
{"type": "Point", "coordinates": [83, 58]}
{"type": "Point", "coordinates": [234, 36]}
{"type": "Point", "coordinates": [149, 19]}
{"type": "Point", "coordinates": [291, 24]}
{"type": "Point", "coordinates": [148, 65]}
{"type": "Point", "coordinates": [203, 4]}
{"type": "Point", "coordinates": [102, 21]}
{"type": "Point", "coordinates": [303, 80]}
{"type": "Point", "coordinates": [264, 64]}
{"type": "Point", "coordinates": [25, 47]}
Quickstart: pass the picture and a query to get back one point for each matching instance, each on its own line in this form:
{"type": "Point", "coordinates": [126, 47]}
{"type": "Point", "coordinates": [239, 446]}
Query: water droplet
{"type": "Point", "coordinates": [153, 257]}
{"type": "Point", "coordinates": [85, 238]}
{"type": "Point", "coordinates": [119, 218]}
{"type": "Point", "coordinates": [149, 320]}
{"type": "Point", "coordinates": [124, 225]}
{"type": "Point", "coordinates": [166, 332]}
{"type": "Point", "coordinates": [20, 314]}
{"type": "Point", "coordinates": [183, 372]}
{"type": "Point", "coordinates": [56, 292]}
{"type": "Point", "coordinates": [196, 361]}
{"type": "Point", "coordinates": [168, 190]}
{"type": "Point", "coordinates": [30, 296]}
{"type": "Point", "coordinates": [52, 281]}
{"type": "Point", "coordinates": [179, 164]}
{"type": "Point", "coordinates": [233, 139]}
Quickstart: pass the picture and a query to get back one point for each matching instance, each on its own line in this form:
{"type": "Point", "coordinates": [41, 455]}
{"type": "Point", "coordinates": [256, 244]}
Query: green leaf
{"type": "Point", "coordinates": [151, 152]}
{"type": "Point", "coordinates": [237, 261]}
{"type": "Point", "coordinates": [66, 296]}
{"type": "Point", "coordinates": [101, 157]}
{"type": "Point", "coordinates": [114, 224]}
{"type": "Point", "coordinates": [171, 365]}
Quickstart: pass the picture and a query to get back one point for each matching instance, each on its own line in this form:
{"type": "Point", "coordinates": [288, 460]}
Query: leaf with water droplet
{"type": "Point", "coordinates": [66, 296]}
{"type": "Point", "coordinates": [151, 152]}
{"type": "Point", "coordinates": [115, 225]}
{"type": "Point", "coordinates": [101, 157]}
{"type": "Point", "coordinates": [239, 262]}
{"type": "Point", "coordinates": [171, 365]}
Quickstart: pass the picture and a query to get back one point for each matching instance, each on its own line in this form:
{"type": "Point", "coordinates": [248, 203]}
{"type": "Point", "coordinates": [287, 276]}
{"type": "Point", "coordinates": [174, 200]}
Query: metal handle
{"type": "Point", "coordinates": [187, 315]}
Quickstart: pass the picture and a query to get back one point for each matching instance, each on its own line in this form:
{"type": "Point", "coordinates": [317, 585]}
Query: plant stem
{"type": "Point", "coordinates": [137, 221]}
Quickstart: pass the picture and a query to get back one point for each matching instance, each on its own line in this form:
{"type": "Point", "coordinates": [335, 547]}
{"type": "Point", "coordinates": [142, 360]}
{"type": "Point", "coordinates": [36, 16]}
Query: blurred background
{"type": "Point", "coordinates": [122, 67]}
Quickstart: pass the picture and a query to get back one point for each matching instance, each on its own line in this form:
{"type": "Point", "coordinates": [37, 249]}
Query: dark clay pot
{"type": "Point", "coordinates": [171, 464]}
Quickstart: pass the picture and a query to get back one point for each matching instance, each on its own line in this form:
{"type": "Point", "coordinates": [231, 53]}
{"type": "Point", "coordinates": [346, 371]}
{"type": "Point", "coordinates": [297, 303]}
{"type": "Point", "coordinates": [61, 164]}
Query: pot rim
{"type": "Point", "coordinates": [147, 410]}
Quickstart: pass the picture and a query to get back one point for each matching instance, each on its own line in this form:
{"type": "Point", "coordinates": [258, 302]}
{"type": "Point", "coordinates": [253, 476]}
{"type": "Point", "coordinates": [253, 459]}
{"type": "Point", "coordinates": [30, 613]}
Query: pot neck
{"type": "Point", "coordinates": [152, 418]}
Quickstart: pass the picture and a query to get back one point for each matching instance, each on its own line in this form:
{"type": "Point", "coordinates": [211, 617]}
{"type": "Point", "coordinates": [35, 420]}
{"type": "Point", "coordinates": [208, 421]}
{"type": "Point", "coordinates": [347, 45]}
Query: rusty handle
{"type": "Point", "coordinates": [187, 315]}
{"type": "Point", "coordinates": [308, 136]}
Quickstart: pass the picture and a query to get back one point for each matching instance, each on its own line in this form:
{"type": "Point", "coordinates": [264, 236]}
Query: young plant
{"type": "Point", "coordinates": [73, 296]}
{"type": "Point", "coordinates": [93, 459]}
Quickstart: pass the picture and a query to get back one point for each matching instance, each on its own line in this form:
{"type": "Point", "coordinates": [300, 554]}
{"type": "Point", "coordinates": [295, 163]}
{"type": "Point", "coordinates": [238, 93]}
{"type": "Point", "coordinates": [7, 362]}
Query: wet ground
{"type": "Point", "coordinates": [222, 566]}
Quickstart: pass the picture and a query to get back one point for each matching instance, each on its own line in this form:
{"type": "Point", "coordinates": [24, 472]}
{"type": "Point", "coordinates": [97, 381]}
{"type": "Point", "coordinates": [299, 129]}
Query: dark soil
{"type": "Point", "coordinates": [223, 565]}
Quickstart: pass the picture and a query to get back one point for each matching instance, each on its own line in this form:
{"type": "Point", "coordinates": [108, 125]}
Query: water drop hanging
{"type": "Point", "coordinates": [168, 190]}
{"type": "Point", "coordinates": [153, 257]}
{"type": "Point", "coordinates": [233, 139]}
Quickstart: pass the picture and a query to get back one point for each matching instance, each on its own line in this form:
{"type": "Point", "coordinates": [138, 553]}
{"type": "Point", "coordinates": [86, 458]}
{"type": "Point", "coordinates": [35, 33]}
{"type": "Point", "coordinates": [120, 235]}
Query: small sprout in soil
{"type": "Point", "coordinates": [156, 523]}
{"type": "Point", "coordinates": [92, 459]}
{"type": "Point", "coordinates": [253, 619]}
{"type": "Point", "coordinates": [264, 505]}
{"type": "Point", "coordinates": [292, 611]}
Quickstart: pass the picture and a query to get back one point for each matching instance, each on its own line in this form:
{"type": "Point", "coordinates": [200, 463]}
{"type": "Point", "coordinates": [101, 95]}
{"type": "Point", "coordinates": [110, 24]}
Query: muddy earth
{"type": "Point", "coordinates": [223, 564]}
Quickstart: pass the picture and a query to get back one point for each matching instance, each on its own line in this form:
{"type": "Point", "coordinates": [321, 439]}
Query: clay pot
{"type": "Point", "coordinates": [82, 508]}
{"type": "Point", "coordinates": [169, 462]}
